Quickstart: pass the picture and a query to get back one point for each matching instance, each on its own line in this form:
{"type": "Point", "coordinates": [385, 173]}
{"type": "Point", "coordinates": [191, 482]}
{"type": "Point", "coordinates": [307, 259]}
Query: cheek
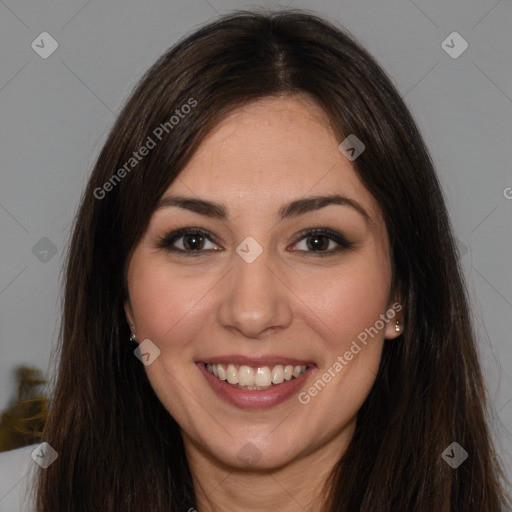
{"type": "Point", "coordinates": [340, 301]}
{"type": "Point", "coordinates": [166, 304]}
{"type": "Point", "coordinates": [345, 308]}
{"type": "Point", "coordinates": [343, 303]}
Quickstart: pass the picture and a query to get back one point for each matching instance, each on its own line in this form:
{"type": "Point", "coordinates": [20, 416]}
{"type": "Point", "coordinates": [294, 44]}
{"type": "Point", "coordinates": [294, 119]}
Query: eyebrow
{"type": "Point", "coordinates": [292, 209]}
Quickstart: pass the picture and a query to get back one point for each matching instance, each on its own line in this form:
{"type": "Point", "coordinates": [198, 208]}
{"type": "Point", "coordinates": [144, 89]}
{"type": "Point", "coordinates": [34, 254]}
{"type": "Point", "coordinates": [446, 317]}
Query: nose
{"type": "Point", "coordinates": [256, 299]}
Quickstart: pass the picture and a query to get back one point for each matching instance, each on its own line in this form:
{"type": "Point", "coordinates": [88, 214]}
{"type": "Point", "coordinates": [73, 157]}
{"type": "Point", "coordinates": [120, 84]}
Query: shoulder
{"type": "Point", "coordinates": [17, 470]}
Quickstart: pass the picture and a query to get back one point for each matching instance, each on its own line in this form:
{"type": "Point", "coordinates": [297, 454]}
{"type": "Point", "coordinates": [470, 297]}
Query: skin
{"type": "Point", "coordinates": [289, 301]}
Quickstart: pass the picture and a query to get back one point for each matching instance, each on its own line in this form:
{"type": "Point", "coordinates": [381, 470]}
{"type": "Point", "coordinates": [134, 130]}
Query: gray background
{"type": "Point", "coordinates": [56, 111]}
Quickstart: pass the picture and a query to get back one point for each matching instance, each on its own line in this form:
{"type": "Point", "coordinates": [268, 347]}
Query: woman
{"type": "Point", "coordinates": [265, 225]}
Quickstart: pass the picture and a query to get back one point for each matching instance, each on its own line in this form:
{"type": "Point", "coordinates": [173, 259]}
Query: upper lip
{"type": "Point", "coordinates": [255, 361]}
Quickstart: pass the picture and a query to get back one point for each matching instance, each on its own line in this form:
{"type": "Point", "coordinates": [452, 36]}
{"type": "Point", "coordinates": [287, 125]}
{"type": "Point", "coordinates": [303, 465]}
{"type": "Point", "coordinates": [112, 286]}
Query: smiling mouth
{"type": "Point", "coordinates": [255, 378]}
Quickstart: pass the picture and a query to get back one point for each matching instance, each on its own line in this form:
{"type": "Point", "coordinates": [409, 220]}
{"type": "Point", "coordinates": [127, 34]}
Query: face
{"type": "Point", "coordinates": [269, 335]}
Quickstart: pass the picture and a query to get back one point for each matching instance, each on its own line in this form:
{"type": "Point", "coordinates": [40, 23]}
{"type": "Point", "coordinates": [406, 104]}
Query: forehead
{"type": "Point", "coordinates": [270, 152]}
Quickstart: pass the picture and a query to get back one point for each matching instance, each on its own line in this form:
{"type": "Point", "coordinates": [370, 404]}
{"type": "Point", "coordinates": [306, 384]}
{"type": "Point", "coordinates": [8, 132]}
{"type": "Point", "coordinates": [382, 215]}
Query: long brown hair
{"type": "Point", "coordinates": [119, 448]}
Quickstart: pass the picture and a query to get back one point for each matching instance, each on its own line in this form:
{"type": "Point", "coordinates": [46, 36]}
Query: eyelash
{"type": "Point", "coordinates": [166, 241]}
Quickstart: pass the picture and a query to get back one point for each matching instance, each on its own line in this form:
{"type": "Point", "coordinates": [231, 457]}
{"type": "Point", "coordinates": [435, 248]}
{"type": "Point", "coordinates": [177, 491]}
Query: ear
{"type": "Point", "coordinates": [129, 315]}
{"type": "Point", "coordinates": [394, 314]}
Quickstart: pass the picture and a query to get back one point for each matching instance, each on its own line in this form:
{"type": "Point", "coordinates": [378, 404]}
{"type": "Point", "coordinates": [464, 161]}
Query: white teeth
{"type": "Point", "coordinates": [221, 371]}
{"type": "Point", "coordinates": [278, 374]}
{"type": "Point", "coordinates": [263, 377]}
{"type": "Point", "coordinates": [232, 374]}
{"type": "Point", "coordinates": [245, 376]}
{"type": "Point", "coordinates": [256, 378]}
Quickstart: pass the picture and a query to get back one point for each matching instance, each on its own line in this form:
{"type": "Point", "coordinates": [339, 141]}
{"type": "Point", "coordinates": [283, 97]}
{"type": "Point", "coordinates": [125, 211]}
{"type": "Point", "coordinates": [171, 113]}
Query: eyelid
{"type": "Point", "coordinates": [166, 242]}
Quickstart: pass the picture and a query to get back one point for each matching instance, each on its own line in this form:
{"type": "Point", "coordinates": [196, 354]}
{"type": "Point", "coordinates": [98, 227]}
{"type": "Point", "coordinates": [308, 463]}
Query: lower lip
{"type": "Point", "coordinates": [253, 399]}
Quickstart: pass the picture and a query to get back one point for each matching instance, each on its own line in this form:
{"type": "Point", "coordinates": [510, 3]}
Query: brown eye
{"type": "Point", "coordinates": [318, 242]}
{"type": "Point", "coordinates": [323, 242]}
{"type": "Point", "coordinates": [193, 242]}
{"type": "Point", "coordinates": [187, 240]}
